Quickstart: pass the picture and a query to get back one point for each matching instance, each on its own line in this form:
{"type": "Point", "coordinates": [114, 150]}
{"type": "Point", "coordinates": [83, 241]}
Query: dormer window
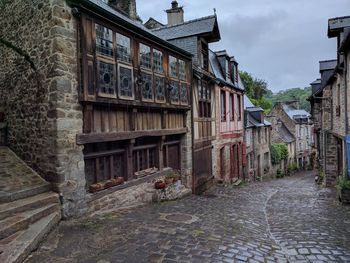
{"type": "Point", "coordinates": [228, 71]}
{"type": "Point", "coordinates": [204, 54]}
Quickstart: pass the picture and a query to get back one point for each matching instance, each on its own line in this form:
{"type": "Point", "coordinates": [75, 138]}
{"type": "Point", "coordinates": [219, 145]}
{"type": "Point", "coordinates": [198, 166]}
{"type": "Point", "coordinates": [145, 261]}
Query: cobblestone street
{"type": "Point", "coordinates": [285, 220]}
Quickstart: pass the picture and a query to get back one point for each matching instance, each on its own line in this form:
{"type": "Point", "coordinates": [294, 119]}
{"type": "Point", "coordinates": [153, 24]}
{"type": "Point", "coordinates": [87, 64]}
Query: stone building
{"type": "Point", "coordinates": [299, 123]}
{"type": "Point", "coordinates": [280, 134]}
{"type": "Point", "coordinates": [330, 105]}
{"type": "Point", "coordinates": [91, 95]}
{"type": "Point", "coordinates": [194, 36]}
{"type": "Point", "coordinates": [229, 148]}
{"type": "Point", "coordinates": [258, 141]}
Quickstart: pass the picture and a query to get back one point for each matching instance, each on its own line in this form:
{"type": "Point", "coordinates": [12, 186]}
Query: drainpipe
{"type": "Point", "coordinates": [346, 110]}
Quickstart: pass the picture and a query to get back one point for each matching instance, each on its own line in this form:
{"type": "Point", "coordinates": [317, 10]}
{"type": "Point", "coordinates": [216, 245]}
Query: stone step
{"type": "Point", "coordinates": [22, 220]}
{"type": "Point", "coordinates": [21, 246]}
{"type": "Point", "coordinates": [6, 197]}
{"type": "Point", "coordinates": [10, 209]}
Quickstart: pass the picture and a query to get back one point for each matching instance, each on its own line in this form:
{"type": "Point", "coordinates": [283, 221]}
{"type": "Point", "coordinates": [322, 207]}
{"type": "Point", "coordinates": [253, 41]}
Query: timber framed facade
{"type": "Point", "coordinates": [135, 92]}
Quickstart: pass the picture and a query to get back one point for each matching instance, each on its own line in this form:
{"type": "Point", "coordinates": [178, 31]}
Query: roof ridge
{"type": "Point", "coordinates": [185, 23]}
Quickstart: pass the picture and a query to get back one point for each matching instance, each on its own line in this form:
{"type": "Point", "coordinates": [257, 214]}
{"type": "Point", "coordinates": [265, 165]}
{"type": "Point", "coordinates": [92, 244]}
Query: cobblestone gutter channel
{"type": "Point", "coordinates": [287, 220]}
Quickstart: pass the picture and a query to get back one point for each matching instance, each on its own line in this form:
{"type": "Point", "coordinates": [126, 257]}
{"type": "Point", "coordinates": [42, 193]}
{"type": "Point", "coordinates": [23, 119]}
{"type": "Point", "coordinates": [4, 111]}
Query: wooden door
{"type": "Point", "coordinates": [202, 164]}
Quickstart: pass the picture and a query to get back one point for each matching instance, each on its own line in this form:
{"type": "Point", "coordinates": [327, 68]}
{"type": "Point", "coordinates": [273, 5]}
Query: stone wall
{"type": "Point", "coordinates": [186, 154]}
{"type": "Point", "coordinates": [40, 93]}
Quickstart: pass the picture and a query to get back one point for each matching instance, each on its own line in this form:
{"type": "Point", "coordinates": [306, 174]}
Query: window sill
{"type": "Point", "coordinates": [94, 196]}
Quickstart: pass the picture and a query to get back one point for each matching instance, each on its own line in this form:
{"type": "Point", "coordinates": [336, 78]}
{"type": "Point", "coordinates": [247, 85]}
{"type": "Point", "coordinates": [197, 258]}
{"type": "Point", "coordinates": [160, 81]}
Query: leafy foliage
{"type": "Point", "coordinates": [343, 183]}
{"type": "Point", "coordinates": [300, 94]}
{"type": "Point", "coordinates": [279, 152]}
{"type": "Point", "coordinates": [258, 92]}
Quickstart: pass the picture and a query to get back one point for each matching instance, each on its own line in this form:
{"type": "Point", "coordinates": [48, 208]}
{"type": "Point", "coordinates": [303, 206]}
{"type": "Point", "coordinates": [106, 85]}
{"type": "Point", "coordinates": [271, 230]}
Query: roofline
{"type": "Point", "coordinates": [334, 32]}
{"type": "Point", "coordinates": [85, 5]}
{"type": "Point", "coordinates": [187, 22]}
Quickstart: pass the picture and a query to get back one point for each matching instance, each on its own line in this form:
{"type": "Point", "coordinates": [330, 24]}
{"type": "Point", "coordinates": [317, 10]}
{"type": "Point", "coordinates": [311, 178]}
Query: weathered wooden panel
{"type": "Point", "coordinates": [202, 168]}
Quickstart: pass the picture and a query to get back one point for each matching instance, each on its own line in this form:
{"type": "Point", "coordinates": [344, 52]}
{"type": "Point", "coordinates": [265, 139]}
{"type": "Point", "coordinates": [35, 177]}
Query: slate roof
{"type": "Point", "coordinates": [335, 25]}
{"type": "Point", "coordinates": [292, 112]}
{"type": "Point", "coordinates": [119, 17]}
{"type": "Point", "coordinates": [328, 64]}
{"type": "Point", "coordinates": [250, 108]}
{"type": "Point", "coordinates": [200, 26]}
{"type": "Point", "coordinates": [216, 69]}
{"type": "Point", "coordinates": [284, 134]}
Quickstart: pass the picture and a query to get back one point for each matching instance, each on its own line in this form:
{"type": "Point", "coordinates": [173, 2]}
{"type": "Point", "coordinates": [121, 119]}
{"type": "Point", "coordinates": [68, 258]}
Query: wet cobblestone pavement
{"type": "Point", "coordinates": [285, 220]}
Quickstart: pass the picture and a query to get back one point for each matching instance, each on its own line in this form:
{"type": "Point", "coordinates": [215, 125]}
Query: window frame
{"type": "Point", "coordinates": [223, 108]}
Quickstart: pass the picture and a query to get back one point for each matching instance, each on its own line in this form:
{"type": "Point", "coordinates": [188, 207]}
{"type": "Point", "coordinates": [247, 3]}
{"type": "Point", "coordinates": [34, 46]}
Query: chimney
{"type": "Point", "coordinates": [128, 7]}
{"type": "Point", "coordinates": [175, 14]}
{"type": "Point", "coordinates": [293, 103]}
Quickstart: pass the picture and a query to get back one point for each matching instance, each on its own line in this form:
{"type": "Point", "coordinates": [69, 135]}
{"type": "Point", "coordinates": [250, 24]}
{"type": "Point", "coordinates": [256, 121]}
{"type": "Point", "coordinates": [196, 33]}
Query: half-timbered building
{"type": "Point", "coordinates": [115, 102]}
{"type": "Point", "coordinates": [195, 36]}
{"type": "Point", "coordinates": [229, 149]}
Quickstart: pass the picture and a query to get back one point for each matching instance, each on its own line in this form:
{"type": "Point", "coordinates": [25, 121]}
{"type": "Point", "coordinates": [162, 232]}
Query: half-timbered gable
{"type": "Point", "coordinates": [135, 92]}
{"type": "Point", "coordinates": [195, 36]}
{"type": "Point", "coordinates": [229, 149]}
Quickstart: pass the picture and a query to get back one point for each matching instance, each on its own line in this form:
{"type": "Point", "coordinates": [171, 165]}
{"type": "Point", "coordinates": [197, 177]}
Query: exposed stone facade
{"type": "Point", "coordinates": [299, 124]}
{"type": "Point", "coordinates": [41, 96]}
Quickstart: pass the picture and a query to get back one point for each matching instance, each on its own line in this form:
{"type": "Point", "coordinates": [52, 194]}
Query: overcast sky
{"type": "Point", "coordinates": [280, 41]}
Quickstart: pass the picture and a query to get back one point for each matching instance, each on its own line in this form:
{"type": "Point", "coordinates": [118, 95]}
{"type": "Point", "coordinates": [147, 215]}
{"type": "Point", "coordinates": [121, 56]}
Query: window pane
{"type": "Point", "coordinates": [145, 56]}
{"type": "Point", "coordinates": [104, 41]}
{"type": "Point", "coordinates": [146, 89]}
{"type": "Point", "coordinates": [160, 88]}
{"type": "Point", "coordinates": [158, 61]}
{"type": "Point", "coordinates": [173, 67]}
{"type": "Point", "coordinates": [184, 94]}
{"type": "Point", "coordinates": [174, 94]}
{"type": "Point", "coordinates": [223, 105]}
{"type": "Point", "coordinates": [123, 48]}
{"type": "Point", "coordinates": [106, 78]}
{"type": "Point", "coordinates": [125, 82]}
{"type": "Point", "coordinates": [182, 70]}
{"type": "Point", "coordinates": [231, 107]}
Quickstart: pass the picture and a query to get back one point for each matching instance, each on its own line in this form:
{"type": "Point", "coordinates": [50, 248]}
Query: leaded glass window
{"type": "Point", "coordinates": [125, 82]}
{"type": "Point", "coordinates": [158, 61]}
{"type": "Point", "coordinates": [174, 93]}
{"type": "Point", "coordinates": [160, 88]}
{"type": "Point", "coordinates": [106, 81]}
{"type": "Point", "coordinates": [173, 67]}
{"type": "Point", "coordinates": [182, 70]}
{"type": "Point", "coordinates": [123, 48]}
{"type": "Point", "coordinates": [184, 93]}
{"type": "Point", "coordinates": [145, 56]}
{"type": "Point", "coordinates": [147, 90]}
{"type": "Point", "coordinates": [104, 40]}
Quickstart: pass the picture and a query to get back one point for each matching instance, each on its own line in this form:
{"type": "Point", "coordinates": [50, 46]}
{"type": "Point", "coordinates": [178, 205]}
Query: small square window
{"type": "Point", "coordinates": [106, 78]}
{"type": "Point", "coordinates": [147, 89]}
{"type": "Point", "coordinates": [158, 61]}
{"type": "Point", "coordinates": [123, 48]}
{"type": "Point", "coordinates": [184, 93]}
{"type": "Point", "coordinates": [173, 66]}
{"type": "Point", "coordinates": [145, 56]}
{"type": "Point", "coordinates": [174, 93]}
{"type": "Point", "coordinates": [125, 82]}
{"type": "Point", "coordinates": [104, 40]}
{"type": "Point", "coordinates": [160, 88]}
{"type": "Point", "coordinates": [182, 70]}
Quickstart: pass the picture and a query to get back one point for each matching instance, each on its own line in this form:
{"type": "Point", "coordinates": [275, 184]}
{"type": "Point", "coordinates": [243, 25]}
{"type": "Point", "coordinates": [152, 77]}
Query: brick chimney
{"type": "Point", "coordinates": [128, 7]}
{"type": "Point", "coordinates": [175, 14]}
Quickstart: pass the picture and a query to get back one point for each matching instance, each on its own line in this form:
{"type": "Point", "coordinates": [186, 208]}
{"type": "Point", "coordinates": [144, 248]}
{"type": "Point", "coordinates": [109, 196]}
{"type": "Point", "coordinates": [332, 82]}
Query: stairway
{"type": "Point", "coordinates": [28, 209]}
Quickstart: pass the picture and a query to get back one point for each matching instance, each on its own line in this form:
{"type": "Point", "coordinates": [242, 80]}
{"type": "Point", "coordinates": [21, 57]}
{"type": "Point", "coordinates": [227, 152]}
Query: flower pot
{"type": "Point", "coordinates": [120, 180]}
{"type": "Point", "coordinates": [96, 187]}
{"type": "Point", "coordinates": [159, 185]}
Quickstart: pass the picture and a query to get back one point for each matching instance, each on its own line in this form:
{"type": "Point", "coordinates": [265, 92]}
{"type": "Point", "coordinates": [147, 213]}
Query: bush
{"type": "Point", "coordinates": [343, 183]}
{"type": "Point", "coordinates": [292, 167]}
{"type": "Point", "coordinates": [279, 174]}
{"type": "Point", "coordinates": [279, 152]}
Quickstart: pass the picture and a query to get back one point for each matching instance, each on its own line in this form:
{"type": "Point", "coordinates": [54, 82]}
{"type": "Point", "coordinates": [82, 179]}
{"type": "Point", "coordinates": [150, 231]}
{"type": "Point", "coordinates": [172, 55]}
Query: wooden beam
{"type": "Point", "coordinates": [119, 136]}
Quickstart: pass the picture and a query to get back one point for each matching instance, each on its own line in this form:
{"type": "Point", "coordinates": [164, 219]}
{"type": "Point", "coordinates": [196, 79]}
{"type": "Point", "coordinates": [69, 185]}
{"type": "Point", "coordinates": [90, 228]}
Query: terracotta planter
{"type": "Point", "coordinates": [344, 195]}
{"type": "Point", "coordinates": [119, 180]}
{"type": "Point", "coordinates": [96, 187]}
{"type": "Point", "coordinates": [159, 185]}
{"type": "Point", "coordinates": [110, 183]}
